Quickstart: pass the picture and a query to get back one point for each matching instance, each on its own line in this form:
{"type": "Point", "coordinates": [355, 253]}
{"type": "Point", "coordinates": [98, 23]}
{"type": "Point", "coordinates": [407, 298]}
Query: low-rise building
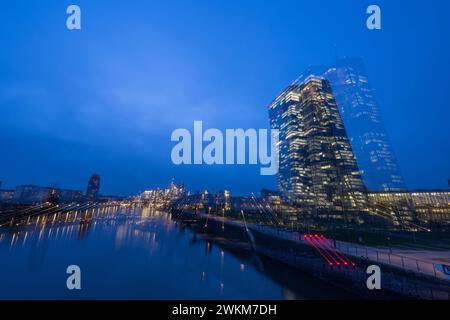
{"type": "Point", "coordinates": [429, 206]}
{"type": "Point", "coordinates": [6, 196]}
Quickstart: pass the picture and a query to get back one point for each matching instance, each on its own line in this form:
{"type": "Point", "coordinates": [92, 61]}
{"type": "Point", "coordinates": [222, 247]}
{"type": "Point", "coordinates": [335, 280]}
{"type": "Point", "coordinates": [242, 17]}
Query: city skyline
{"type": "Point", "coordinates": [201, 154]}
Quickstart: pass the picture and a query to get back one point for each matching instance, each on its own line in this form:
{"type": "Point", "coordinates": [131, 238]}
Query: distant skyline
{"type": "Point", "coordinates": [105, 99]}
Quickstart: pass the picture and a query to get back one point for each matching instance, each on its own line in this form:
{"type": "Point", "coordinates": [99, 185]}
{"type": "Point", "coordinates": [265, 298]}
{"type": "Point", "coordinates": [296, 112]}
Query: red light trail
{"type": "Point", "coordinates": [327, 250]}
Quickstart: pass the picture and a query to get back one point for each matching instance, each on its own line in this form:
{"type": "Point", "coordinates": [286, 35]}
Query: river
{"type": "Point", "coordinates": [140, 253]}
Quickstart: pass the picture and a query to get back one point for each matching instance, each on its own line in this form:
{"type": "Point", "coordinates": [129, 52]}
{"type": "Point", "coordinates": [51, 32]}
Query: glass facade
{"type": "Point", "coordinates": [429, 206]}
{"type": "Point", "coordinates": [360, 113]}
{"type": "Point", "coordinates": [317, 167]}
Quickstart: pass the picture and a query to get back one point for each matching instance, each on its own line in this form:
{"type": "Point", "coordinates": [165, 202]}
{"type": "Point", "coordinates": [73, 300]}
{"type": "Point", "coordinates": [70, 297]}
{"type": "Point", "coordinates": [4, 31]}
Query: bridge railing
{"type": "Point", "coordinates": [376, 255]}
{"type": "Point", "coordinates": [411, 287]}
{"type": "Point", "coordinates": [392, 259]}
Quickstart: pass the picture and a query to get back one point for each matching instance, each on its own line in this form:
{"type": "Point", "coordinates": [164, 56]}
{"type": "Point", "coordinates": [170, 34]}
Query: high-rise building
{"type": "Point", "coordinates": [223, 200]}
{"type": "Point", "coordinates": [93, 187]}
{"type": "Point", "coordinates": [317, 167]}
{"type": "Point", "coordinates": [361, 115]}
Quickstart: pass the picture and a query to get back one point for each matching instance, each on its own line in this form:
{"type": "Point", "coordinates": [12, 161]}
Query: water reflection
{"type": "Point", "coordinates": [138, 253]}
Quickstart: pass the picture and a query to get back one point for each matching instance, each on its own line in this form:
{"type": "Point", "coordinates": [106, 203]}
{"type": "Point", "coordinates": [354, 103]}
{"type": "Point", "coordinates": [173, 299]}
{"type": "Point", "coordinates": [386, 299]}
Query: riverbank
{"type": "Point", "coordinates": [292, 248]}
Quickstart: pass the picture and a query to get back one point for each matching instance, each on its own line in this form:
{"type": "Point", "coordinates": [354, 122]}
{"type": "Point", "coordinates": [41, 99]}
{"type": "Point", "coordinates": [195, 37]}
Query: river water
{"type": "Point", "coordinates": [140, 253]}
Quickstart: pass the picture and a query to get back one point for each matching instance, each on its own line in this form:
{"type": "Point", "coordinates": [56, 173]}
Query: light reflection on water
{"type": "Point", "coordinates": [137, 253]}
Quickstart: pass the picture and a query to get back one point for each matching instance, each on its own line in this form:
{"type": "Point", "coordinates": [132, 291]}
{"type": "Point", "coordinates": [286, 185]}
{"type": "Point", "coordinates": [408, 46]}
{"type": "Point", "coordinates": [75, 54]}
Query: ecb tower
{"type": "Point", "coordinates": [360, 113]}
{"type": "Point", "coordinates": [318, 169]}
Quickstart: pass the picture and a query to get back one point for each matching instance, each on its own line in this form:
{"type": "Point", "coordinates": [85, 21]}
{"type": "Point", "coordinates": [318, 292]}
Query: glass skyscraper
{"type": "Point", "coordinates": [93, 187]}
{"type": "Point", "coordinates": [360, 113]}
{"type": "Point", "coordinates": [317, 167]}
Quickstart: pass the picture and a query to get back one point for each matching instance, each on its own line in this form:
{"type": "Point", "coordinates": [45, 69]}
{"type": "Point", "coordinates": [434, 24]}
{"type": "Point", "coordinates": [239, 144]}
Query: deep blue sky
{"type": "Point", "coordinates": [106, 99]}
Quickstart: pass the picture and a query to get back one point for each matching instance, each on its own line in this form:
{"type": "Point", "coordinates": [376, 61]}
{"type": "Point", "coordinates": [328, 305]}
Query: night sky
{"type": "Point", "coordinates": [106, 99]}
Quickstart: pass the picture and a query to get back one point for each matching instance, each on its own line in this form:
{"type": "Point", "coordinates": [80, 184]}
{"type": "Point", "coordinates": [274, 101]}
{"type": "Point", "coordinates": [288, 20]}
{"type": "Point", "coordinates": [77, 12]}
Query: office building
{"type": "Point", "coordinates": [360, 113]}
{"type": "Point", "coordinates": [93, 187]}
{"type": "Point", "coordinates": [318, 170]}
